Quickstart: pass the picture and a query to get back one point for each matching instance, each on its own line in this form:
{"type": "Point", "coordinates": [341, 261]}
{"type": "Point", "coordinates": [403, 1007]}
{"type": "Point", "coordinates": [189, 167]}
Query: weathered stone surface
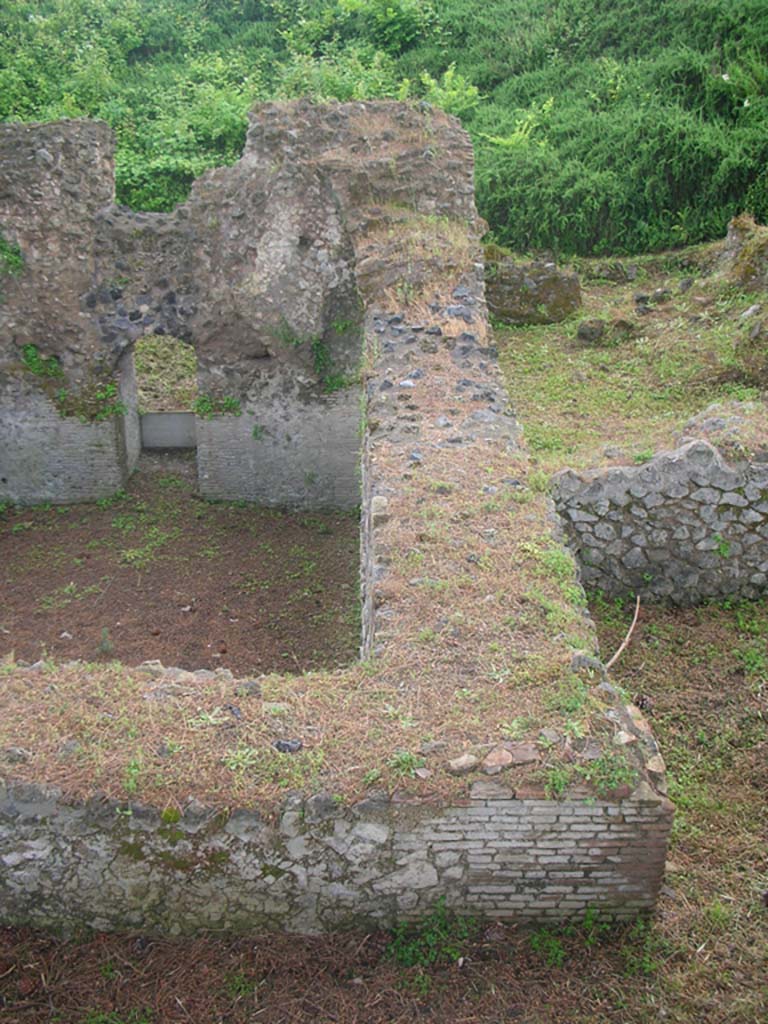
{"type": "Point", "coordinates": [264, 270]}
{"type": "Point", "coordinates": [699, 528]}
{"type": "Point", "coordinates": [613, 270]}
{"type": "Point", "coordinates": [529, 293]}
{"type": "Point", "coordinates": [745, 257]}
{"type": "Point", "coordinates": [60, 867]}
{"type": "Point", "coordinates": [591, 332]}
{"type": "Point", "coordinates": [497, 760]}
{"type": "Point", "coordinates": [463, 764]}
{"type": "Point", "coordinates": [522, 753]}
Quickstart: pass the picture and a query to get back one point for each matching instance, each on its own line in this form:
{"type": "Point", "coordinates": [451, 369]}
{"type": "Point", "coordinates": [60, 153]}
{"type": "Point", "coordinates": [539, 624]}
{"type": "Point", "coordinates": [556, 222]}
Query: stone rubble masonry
{"type": "Point", "coordinates": [347, 175]}
{"type": "Point", "coordinates": [258, 270]}
{"type": "Point", "coordinates": [320, 867]}
{"type": "Point", "coordinates": [684, 527]}
{"type": "Point", "coordinates": [529, 293]}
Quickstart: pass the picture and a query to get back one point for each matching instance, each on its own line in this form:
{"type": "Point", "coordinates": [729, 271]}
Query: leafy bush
{"type": "Point", "coordinates": [599, 127]}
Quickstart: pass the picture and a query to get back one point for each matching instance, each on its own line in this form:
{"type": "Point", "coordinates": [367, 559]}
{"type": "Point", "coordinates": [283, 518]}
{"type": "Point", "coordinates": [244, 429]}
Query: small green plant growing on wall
{"type": "Point", "coordinates": [40, 366]}
{"type": "Point", "coordinates": [286, 334]}
{"type": "Point", "coordinates": [557, 780]}
{"type": "Point", "coordinates": [95, 402]}
{"type": "Point", "coordinates": [11, 260]}
{"type": "Point", "coordinates": [321, 357]}
{"type": "Point", "coordinates": [208, 406]}
{"type": "Point", "coordinates": [640, 458]}
{"type": "Point", "coordinates": [11, 257]}
{"type": "Point", "coordinates": [723, 547]}
{"type": "Point", "coordinates": [322, 361]}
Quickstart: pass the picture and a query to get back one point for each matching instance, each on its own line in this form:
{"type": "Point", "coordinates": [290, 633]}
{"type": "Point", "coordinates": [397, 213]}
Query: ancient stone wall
{"type": "Point", "coordinates": [322, 867]}
{"type": "Point", "coordinates": [684, 527]}
{"type": "Point", "coordinates": [505, 849]}
{"type": "Point", "coordinates": [259, 270]}
{"type": "Point", "coordinates": [377, 220]}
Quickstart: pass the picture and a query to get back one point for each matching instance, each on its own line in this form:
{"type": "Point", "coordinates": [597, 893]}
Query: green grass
{"type": "Point", "coordinates": [574, 402]}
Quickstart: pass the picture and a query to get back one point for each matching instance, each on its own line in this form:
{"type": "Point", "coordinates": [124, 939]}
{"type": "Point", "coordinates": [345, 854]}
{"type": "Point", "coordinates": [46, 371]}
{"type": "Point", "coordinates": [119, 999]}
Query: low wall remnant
{"type": "Point", "coordinates": [684, 527]}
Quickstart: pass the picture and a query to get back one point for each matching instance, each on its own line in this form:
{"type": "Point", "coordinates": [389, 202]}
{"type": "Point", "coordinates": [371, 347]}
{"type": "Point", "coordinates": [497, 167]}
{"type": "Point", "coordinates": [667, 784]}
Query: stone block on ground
{"type": "Point", "coordinates": [529, 293]}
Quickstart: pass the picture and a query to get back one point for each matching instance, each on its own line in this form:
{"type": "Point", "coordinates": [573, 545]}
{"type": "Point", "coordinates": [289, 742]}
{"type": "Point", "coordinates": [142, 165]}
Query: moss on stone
{"type": "Point", "coordinates": [133, 850]}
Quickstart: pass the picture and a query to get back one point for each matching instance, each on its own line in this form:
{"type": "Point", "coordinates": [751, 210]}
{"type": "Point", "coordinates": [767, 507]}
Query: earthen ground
{"type": "Point", "coordinates": [157, 573]}
{"type": "Point", "coordinates": [702, 673]}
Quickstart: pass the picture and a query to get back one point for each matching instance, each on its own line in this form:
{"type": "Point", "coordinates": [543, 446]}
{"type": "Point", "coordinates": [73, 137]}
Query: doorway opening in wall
{"type": "Point", "coordinates": [166, 392]}
{"type": "Point", "coordinates": [155, 572]}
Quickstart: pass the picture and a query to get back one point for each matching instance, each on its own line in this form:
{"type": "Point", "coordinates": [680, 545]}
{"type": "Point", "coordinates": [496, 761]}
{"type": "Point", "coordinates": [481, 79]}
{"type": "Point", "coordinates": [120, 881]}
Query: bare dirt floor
{"type": "Point", "coordinates": [155, 572]}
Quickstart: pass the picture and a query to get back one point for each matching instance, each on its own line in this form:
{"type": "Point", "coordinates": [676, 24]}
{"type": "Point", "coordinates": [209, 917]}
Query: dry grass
{"type": "Point", "coordinates": [701, 960]}
{"type": "Point", "coordinates": [483, 618]}
{"type": "Point", "coordinates": [404, 260]}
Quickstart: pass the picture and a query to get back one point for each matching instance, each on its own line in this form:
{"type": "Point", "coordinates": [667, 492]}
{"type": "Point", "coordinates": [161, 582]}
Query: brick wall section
{"type": "Point", "coordinates": [322, 867]}
{"type": "Point", "coordinates": [45, 457]}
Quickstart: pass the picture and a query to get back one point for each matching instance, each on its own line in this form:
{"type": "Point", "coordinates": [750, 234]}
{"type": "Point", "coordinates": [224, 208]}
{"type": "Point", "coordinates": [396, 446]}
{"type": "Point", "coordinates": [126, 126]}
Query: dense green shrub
{"type": "Point", "coordinates": [599, 127]}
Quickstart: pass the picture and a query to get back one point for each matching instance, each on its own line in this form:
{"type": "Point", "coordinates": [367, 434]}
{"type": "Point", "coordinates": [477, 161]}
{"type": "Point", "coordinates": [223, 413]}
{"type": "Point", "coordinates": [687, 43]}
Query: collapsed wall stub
{"type": "Point", "coordinates": [688, 526]}
{"type": "Point", "coordinates": [257, 270]}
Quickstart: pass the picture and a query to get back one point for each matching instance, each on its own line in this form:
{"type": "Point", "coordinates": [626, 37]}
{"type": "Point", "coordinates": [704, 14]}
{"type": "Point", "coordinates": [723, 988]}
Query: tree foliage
{"type": "Point", "coordinates": [599, 127]}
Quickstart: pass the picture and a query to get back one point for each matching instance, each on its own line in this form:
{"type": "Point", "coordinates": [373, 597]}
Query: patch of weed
{"type": "Point", "coordinates": [439, 938]}
{"type": "Point", "coordinates": [557, 779]}
{"type": "Point", "coordinates": [547, 944]}
{"type": "Point", "coordinates": [208, 406]}
{"type": "Point", "coordinates": [40, 366]}
{"type": "Point", "coordinates": [608, 772]}
{"type": "Point", "coordinates": [643, 948]}
{"type": "Point", "coordinates": [405, 764]}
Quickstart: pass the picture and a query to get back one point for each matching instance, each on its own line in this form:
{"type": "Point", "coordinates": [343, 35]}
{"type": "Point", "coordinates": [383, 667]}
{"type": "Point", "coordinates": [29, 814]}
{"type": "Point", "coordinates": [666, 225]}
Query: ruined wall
{"type": "Point", "coordinates": [322, 867]}
{"type": "Point", "coordinates": [258, 270]}
{"type": "Point", "coordinates": [684, 527]}
{"type": "Point", "coordinates": [55, 178]}
{"type": "Point", "coordinates": [379, 212]}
